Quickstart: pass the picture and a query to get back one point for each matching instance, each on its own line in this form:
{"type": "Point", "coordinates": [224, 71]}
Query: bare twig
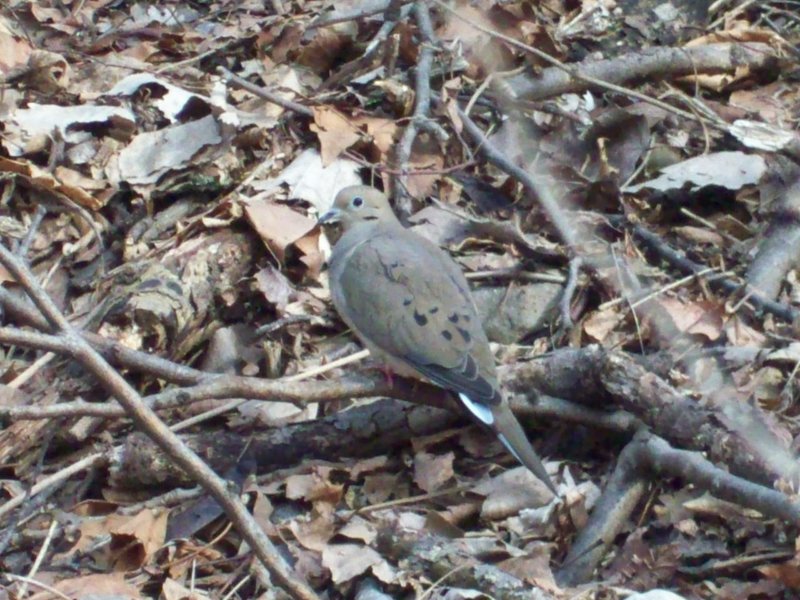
{"type": "Point", "coordinates": [680, 261]}
{"type": "Point", "coordinates": [21, 249]}
{"type": "Point", "coordinates": [541, 192]}
{"type": "Point", "coordinates": [422, 107]}
{"type": "Point", "coordinates": [93, 460]}
{"type": "Point", "coordinates": [355, 14]}
{"type": "Point", "coordinates": [622, 493]}
{"type": "Point", "coordinates": [569, 291]}
{"type": "Point", "coordinates": [393, 12]}
{"type": "Point", "coordinates": [149, 422]}
{"type": "Point", "coordinates": [40, 556]}
{"type": "Point", "coordinates": [571, 78]}
{"type": "Point", "coordinates": [266, 95]}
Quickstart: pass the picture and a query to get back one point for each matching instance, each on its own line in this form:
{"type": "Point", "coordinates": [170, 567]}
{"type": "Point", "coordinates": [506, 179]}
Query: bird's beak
{"type": "Point", "coordinates": [334, 215]}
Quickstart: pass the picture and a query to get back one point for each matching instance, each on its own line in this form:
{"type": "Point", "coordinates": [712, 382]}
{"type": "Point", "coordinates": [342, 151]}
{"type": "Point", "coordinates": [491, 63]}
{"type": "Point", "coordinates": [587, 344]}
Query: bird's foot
{"type": "Point", "coordinates": [388, 374]}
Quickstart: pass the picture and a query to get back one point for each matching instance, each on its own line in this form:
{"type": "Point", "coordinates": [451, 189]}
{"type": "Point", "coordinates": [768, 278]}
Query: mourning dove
{"type": "Point", "coordinates": [410, 305]}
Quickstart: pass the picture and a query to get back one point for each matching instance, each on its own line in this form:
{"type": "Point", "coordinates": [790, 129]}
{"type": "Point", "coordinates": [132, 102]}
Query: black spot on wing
{"type": "Point", "coordinates": [407, 301]}
{"type": "Point", "coordinates": [420, 319]}
{"type": "Point", "coordinates": [434, 310]}
{"type": "Point", "coordinates": [464, 334]}
{"type": "Point", "coordinates": [447, 335]}
{"type": "Point", "coordinates": [453, 318]}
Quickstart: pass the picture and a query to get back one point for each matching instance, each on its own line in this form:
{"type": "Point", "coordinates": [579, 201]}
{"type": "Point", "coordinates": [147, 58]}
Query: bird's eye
{"type": "Point", "coordinates": [357, 202]}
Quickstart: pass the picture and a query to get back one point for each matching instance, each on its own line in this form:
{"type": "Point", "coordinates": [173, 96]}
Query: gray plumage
{"type": "Point", "coordinates": [409, 303]}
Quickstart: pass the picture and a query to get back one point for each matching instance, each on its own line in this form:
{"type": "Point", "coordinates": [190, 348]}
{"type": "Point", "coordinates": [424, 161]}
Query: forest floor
{"type": "Point", "coordinates": [620, 182]}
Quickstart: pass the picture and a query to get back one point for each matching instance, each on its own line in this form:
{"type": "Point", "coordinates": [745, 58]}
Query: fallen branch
{"type": "Point", "coordinates": [650, 457]}
{"type": "Point", "coordinates": [680, 261]}
{"type": "Point", "coordinates": [610, 515]}
{"type": "Point", "coordinates": [734, 436]}
{"type": "Point", "coordinates": [374, 429]}
{"type": "Point", "coordinates": [146, 420]}
{"type": "Point", "coordinates": [649, 63]}
{"type": "Point", "coordinates": [451, 563]}
{"type": "Point", "coordinates": [420, 119]}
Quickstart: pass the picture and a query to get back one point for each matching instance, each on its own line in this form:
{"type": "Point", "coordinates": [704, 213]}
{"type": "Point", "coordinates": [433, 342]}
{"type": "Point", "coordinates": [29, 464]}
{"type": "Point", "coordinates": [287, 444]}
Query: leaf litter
{"type": "Point", "coordinates": [116, 120]}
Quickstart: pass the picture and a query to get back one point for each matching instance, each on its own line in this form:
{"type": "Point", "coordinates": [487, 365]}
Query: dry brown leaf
{"type": "Point", "coordinates": [367, 465]}
{"type": "Point", "coordinates": [91, 587]}
{"type": "Point", "coordinates": [29, 129]}
{"type": "Point", "coordinates": [437, 525]}
{"type": "Point", "coordinates": [171, 100]}
{"type": "Point", "coordinates": [134, 538]}
{"type": "Point", "coordinates": [601, 323]}
{"type": "Point", "coordinates": [421, 184]}
{"type": "Point", "coordinates": [48, 72]}
{"type": "Point", "coordinates": [309, 180]}
{"type": "Point", "coordinates": [172, 590]}
{"type": "Point", "coordinates": [358, 528]}
{"type": "Point", "coordinates": [379, 488]}
{"type": "Point", "coordinates": [308, 565]}
{"type": "Point", "coordinates": [312, 257]}
{"type": "Point", "coordinates": [275, 287]}
{"type": "Point", "coordinates": [335, 131]}
{"type": "Point", "coordinates": [262, 511]}
{"type": "Point", "coordinates": [314, 486]}
{"type": "Point", "coordinates": [278, 225]}
{"type": "Point", "coordinates": [534, 568]}
{"type": "Point", "coordinates": [695, 318]}
{"type": "Point", "coordinates": [74, 179]}
{"type": "Point", "coordinates": [708, 505]}
{"type": "Point", "coordinates": [700, 235]}
{"type": "Point", "coordinates": [185, 554]}
{"type": "Point", "coordinates": [774, 103]}
{"type": "Point", "coordinates": [763, 136]}
{"type": "Point", "coordinates": [154, 153]}
{"type": "Point", "coordinates": [739, 31]}
{"type": "Point", "coordinates": [460, 514]}
{"type": "Point", "coordinates": [433, 471]}
{"type": "Point", "coordinates": [787, 573]}
{"type": "Point", "coordinates": [14, 51]}
{"type": "Point", "coordinates": [148, 527]}
{"type": "Point", "coordinates": [382, 132]}
{"type": "Point", "coordinates": [731, 170]}
{"type": "Point", "coordinates": [314, 531]}
{"type": "Point", "coordinates": [326, 45]}
{"type": "Point", "coordinates": [41, 179]}
{"type": "Point", "coordinates": [739, 333]}
{"type": "Point", "coordinates": [510, 492]}
{"type": "Point", "coordinates": [346, 561]}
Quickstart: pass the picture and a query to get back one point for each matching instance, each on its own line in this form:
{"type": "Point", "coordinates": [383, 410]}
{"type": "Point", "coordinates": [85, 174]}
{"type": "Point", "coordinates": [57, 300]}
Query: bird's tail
{"type": "Point", "coordinates": [510, 432]}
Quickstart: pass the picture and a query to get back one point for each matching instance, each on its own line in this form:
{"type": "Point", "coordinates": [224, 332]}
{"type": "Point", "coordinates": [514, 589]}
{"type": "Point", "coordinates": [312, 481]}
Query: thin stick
{"type": "Point", "coordinates": [657, 292]}
{"type": "Point", "coordinates": [575, 73]}
{"type": "Point", "coordinates": [147, 421]}
{"type": "Point", "coordinates": [39, 557]}
{"type": "Point", "coordinates": [262, 93]}
{"type": "Point", "coordinates": [37, 584]}
{"type": "Point", "coordinates": [93, 460]}
{"type": "Point", "coordinates": [210, 414]}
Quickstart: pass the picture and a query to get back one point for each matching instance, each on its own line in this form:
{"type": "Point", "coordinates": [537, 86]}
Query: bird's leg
{"type": "Point", "coordinates": [384, 368]}
{"type": "Point", "coordinates": [388, 374]}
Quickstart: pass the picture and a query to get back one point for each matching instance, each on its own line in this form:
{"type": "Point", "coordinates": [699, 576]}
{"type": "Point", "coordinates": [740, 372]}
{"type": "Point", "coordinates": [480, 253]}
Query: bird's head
{"type": "Point", "coordinates": [358, 204]}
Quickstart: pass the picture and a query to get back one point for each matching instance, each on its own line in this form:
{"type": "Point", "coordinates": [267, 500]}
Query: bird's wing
{"type": "Point", "coordinates": [407, 297]}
